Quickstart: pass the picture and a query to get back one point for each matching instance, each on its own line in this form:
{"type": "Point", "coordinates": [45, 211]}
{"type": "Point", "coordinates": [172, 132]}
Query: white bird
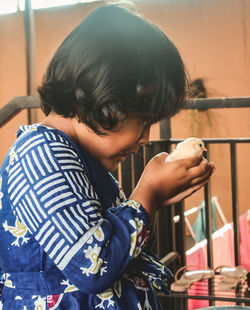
{"type": "Point", "coordinates": [187, 148]}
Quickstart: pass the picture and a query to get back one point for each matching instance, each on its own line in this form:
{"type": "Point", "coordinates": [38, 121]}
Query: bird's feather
{"type": "Point", "coordinates": [187, 148]}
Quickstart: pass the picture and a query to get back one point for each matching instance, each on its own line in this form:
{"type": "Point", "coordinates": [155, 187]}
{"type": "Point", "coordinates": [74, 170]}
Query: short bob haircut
{"type": "Point", "coordinates": [114, 63]}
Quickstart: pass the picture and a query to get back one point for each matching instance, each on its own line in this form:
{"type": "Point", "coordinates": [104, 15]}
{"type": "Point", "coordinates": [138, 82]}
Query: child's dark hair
{"type": "Point", "coordinates": [112, 64]}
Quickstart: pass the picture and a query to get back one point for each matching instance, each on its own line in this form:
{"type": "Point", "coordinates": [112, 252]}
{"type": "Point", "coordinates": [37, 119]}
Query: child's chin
{"type": "Point", "coordinates": [110, 167]}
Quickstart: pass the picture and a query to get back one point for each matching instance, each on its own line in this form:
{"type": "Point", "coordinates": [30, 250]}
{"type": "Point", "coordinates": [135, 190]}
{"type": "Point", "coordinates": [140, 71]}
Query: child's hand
{"type": "Point", "coordinates": [164, 183]}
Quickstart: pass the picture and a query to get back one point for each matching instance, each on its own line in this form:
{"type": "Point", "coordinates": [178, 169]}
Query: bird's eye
{"type": "Point", "coordinates": [200, 145]}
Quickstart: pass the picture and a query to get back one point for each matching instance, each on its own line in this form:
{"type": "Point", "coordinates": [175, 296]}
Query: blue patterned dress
{"type": "Point", "coordinates": [69, 239]}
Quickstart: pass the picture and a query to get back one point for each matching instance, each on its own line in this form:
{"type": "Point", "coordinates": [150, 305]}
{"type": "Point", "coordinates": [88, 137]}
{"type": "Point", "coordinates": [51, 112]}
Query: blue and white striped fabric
{"type": "Point", "coordinates": [68, 237]}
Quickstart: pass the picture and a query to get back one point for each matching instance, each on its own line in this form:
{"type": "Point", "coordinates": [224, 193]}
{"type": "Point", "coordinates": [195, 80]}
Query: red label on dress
{"type": "Point", "coordinates": [53, 301]}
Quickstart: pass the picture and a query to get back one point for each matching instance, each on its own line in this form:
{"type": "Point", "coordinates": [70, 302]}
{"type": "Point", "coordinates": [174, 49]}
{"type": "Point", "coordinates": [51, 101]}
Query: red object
{"type": "Point", "coordinates": [53, 301]}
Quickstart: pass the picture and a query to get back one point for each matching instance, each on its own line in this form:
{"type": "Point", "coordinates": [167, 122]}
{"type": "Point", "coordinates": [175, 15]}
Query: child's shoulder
{"type": "Point", "coordinates": [41, 133]}
{"type": "Point", "coordinates": [38, 144]}
{"type": "Point", "coordinates": [37, 136]}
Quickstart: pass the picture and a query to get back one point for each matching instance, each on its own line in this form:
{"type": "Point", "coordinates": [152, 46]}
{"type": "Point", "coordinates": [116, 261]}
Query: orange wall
{"type": "Point", "coordinates": [213, 37]}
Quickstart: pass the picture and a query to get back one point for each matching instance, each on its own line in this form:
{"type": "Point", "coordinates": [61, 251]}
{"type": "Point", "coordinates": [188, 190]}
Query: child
{"type": "Point", "coordinates": [68, 237]}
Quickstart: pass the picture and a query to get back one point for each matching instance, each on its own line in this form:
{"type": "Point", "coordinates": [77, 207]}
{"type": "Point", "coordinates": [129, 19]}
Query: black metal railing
{"type": "Point", "coordinates": [133, 166]}
{"type": "Point", "coordinates": [19, 103]}
{"type": "Point", "coordinates": [171, 237]}
{"type": "Point", "coordinates": [16, 105]}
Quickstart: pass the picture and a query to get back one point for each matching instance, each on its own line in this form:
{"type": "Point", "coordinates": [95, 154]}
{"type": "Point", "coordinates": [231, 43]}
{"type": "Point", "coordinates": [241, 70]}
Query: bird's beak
{"type": "Point", "coordinates": [204, 149]}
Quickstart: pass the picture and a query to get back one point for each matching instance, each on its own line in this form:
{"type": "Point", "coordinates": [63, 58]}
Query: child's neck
{"type": "Point", "coordinates": [61, 123]}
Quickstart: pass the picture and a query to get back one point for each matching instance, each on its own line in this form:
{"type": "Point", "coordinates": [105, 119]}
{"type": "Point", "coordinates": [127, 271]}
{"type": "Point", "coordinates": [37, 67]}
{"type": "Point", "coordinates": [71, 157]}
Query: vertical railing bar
{"type": "Point", "coordinates": [144, 156]}
{"type": "Point", "coordinates": [182, 240]}
{"type": "Point", "coordinates": [178, 237]}
{"type": "Point", "coordinates": [175, 210]}
{"type": "Point", "coordinates": [235, 207]}
{"type": "Point", "coordinates": [126, 176]}
{"type": "Point", "coordinates": [29, 25]}
{"type": "Point", "coordinates": [132, 172]}
{"type": "Point", "coordinates": [173, 228]}
{"type": "Point", "coordinates": [208, 212]}
{"type": "Point", "coordinates": [119, 174]}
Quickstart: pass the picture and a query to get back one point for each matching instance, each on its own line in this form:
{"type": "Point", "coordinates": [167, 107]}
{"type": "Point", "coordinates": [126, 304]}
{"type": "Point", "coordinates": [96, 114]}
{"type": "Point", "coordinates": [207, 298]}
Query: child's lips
{"type": "Point", "coordinates": [123, 155]}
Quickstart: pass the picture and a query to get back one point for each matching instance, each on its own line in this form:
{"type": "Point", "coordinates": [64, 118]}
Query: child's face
{"type": "Point", "coordinates": [112, 148]}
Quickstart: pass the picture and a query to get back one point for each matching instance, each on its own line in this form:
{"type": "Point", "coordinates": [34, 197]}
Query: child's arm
{"type": "Point", "coordinates": [164, 183]}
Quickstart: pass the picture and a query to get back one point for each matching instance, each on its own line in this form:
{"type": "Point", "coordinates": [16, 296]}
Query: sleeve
{"type": "Point", "coordinates": [51, 194]}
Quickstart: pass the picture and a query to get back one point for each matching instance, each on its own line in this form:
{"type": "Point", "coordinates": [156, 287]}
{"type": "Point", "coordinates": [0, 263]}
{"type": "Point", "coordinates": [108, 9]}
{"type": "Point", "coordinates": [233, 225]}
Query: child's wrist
{"type": "Point", "coordinates": [147, 206]}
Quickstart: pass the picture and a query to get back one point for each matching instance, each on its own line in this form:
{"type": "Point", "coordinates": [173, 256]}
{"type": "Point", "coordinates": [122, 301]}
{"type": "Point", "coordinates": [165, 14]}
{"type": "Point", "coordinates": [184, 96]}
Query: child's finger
{"type": "Point", "coordinates": [191, 162]}
{"type": "Point", "coordinates": [202, 177]}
